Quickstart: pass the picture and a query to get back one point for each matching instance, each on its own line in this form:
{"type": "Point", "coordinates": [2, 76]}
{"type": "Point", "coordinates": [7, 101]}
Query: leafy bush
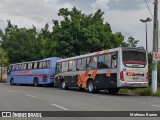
{"type": "Point", "coordinates": [3, 81]}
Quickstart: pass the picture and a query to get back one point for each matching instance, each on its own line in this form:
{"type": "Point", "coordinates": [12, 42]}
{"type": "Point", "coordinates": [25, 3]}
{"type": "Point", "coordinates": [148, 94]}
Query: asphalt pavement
{"type": "Point", "coordinates": [30, 98]}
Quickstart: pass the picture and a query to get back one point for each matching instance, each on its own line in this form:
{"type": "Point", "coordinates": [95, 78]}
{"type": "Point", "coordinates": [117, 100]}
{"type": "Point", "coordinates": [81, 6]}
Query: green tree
{"type": "Point", "coordinates": [78, 33]}
{"type": "Point", "coordinates": [46, 42]}
{"type": "Point", "coordinates": [132, 42]}
{"type": "Point", "coordinates": [20, 44]}
{"type": "Point", "coordinates": [3, 58]}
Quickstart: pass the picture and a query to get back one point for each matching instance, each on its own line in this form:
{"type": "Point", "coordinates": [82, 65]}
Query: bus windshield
{"type": "Point", "coordinates": [133, 58]}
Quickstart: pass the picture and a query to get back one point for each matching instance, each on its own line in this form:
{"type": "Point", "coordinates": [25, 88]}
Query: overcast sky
{"type": "Point", "coordinates": [123, 15]}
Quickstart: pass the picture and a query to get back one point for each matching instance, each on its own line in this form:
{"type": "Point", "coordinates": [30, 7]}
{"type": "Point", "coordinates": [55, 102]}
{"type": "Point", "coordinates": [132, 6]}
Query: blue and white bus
{"type": "Point", "coordinates": [40, 72]}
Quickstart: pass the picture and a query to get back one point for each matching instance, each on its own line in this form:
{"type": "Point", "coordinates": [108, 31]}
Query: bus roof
{"type": "Point", "coordinates": [50, 58]}
{"type": "Point", "coordinates": [98, 53]}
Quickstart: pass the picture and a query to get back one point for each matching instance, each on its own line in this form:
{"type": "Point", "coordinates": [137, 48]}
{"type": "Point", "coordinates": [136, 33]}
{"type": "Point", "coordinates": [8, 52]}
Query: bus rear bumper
{"type": "Point", "coordinates": [134, 84]}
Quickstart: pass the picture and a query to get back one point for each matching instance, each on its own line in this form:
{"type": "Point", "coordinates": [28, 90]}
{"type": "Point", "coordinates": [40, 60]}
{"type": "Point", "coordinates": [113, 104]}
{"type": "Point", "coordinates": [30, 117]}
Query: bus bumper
{"type": "Point", "coordinates": [134, 84]}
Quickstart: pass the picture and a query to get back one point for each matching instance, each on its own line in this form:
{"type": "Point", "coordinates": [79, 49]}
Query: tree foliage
{"type": "Point", "coordinates": [20, 44]}
{"type": "Point", "coordinates": [78, 33]}
{"type": "Point", "coordinates": [132, 42]}
{"type": "Point", "coordinates": [3, 58]}
{"type": "Point", "coordinates": [75, 34]}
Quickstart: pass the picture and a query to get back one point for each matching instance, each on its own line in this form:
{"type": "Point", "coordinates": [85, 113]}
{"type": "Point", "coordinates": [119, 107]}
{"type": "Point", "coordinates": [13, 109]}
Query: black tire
{"type": "Point", "coordinates": [113, 90]}
{"type": "Point", "coordinates": [91, 87]}
{"type": "Point", "coordinates": [36, 82]}
{"type": "Point", "coordinates": [63, 85]}
{"type": "Point", "coordinates": [12, 81]}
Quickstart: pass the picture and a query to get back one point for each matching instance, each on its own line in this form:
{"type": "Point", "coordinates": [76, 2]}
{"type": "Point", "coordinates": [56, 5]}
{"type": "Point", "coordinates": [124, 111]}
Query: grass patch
{"type": "Point", "coordinates": [124, 91]}
{"type": "Point", "coordinates": [3, 81]}
{"type": "Point", "coordinates": [140, 91]}
{"type": "Point", "coordinates": [143, 91]}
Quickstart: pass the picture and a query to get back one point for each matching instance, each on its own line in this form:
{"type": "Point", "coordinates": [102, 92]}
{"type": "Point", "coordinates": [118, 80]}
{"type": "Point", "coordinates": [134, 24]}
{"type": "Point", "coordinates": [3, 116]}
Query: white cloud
{"type": "Point", "coordinates": [127, 21]}
{"type": "Point", "coordinates": [2, 24]}
{"type": "Point", "coordinates": [24, 13]}
{"type": "Point", "coordinates": [67, 5]}
{"type": "Point", "coordinates": [100, 4]}
{"type": "Point", "coordinates": [116, 0]}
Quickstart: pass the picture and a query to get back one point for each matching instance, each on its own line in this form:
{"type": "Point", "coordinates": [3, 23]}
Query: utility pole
{"type": "Point", "coordinates": [145, 21]}
{"type": "Point", "coordinates": [155, 47]}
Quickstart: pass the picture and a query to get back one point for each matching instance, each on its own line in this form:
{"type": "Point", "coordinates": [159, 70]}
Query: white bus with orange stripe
{"type": "Point", "coordinates": [104, 70]}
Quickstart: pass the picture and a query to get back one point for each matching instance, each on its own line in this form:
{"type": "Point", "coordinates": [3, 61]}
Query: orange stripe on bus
{"type": "Point", "coordinates": [86, 73]}
{"type": "Point", "coordinates": [97, 53]}
{"type": "Point", "coordinates": [106, 51]}
{"type": "Point", "coordinates": [94, 74]}
{"type": "Point", "coordinates": [79, 80]}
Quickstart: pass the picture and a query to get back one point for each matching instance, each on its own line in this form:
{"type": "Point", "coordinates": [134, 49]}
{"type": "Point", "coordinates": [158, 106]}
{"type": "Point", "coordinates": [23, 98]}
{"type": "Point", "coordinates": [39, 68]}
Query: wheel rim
{"type": "Point", "coordinates": [12, 82]}
{"type": "Point", "coordinates": [90, 87]}
{"type": "Point", "coordinates": [63, 85]}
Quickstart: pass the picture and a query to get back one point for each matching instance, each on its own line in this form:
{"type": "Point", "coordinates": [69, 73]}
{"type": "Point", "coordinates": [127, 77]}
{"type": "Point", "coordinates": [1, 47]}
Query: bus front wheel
{"type": "Point", "coordinates": [35, 82]}
{"type": "Point", "coordinates": [64, 85]}
{"type": "Point", "coordinates": [90, 87]}
{"type": "Point", "coordinates": [12, 81]}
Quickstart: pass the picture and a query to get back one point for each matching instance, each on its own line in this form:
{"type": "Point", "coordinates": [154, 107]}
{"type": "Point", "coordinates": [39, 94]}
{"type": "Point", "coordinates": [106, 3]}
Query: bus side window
{"type": "Point", "coordinates": [48, 64]}
{"type": "Point", "coordinates": [83, 63]}
{"type": "Point", "coordinates": [40, 65]}
{"type": "Point", "coordinates": [101, 63]}
{"type": "Point", "coordinates": [20, 67]}
{"type": "Point", "coordinates": [114, 60]}
{"type": "Point", "coordinates": [92, 63]}
{"type": "Point", "coordinates": [107, 60]}
{"type": "Point", "coordinates": [58, 67]}
{"type": "Point", "coordinates": [79, 64]}
{"type": "Point", "coordinates": [44, 64]}
{"type": "Point", "coordinates": [17, 67]}
{"type": "Point", "coordinates": [30, 66]}
{"type": "Point", "coordinates": [35, 65]}
{"type": "Point", "coordinates": [65, 66]}
{"type": "Point", "coordinates": [88, 61]}
{"type": "Point", "coordinates": [72, 65]}
{"type": "Point", "coordinates": [24, 66]}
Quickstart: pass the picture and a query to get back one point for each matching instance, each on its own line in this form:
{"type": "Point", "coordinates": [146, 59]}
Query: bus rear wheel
{"type": "Point", "coordinates": [113, 90]}
{"type": "Point", "coordinates": [35, 82]}
{"type": "Point", "coordinates": [12, 81]}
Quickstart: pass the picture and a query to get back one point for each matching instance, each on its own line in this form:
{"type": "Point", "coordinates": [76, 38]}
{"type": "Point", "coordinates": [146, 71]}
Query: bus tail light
{"type": "Point", "coordinates": [121, 76]}
{"type": "Point", "coordinates": [147, 76]}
